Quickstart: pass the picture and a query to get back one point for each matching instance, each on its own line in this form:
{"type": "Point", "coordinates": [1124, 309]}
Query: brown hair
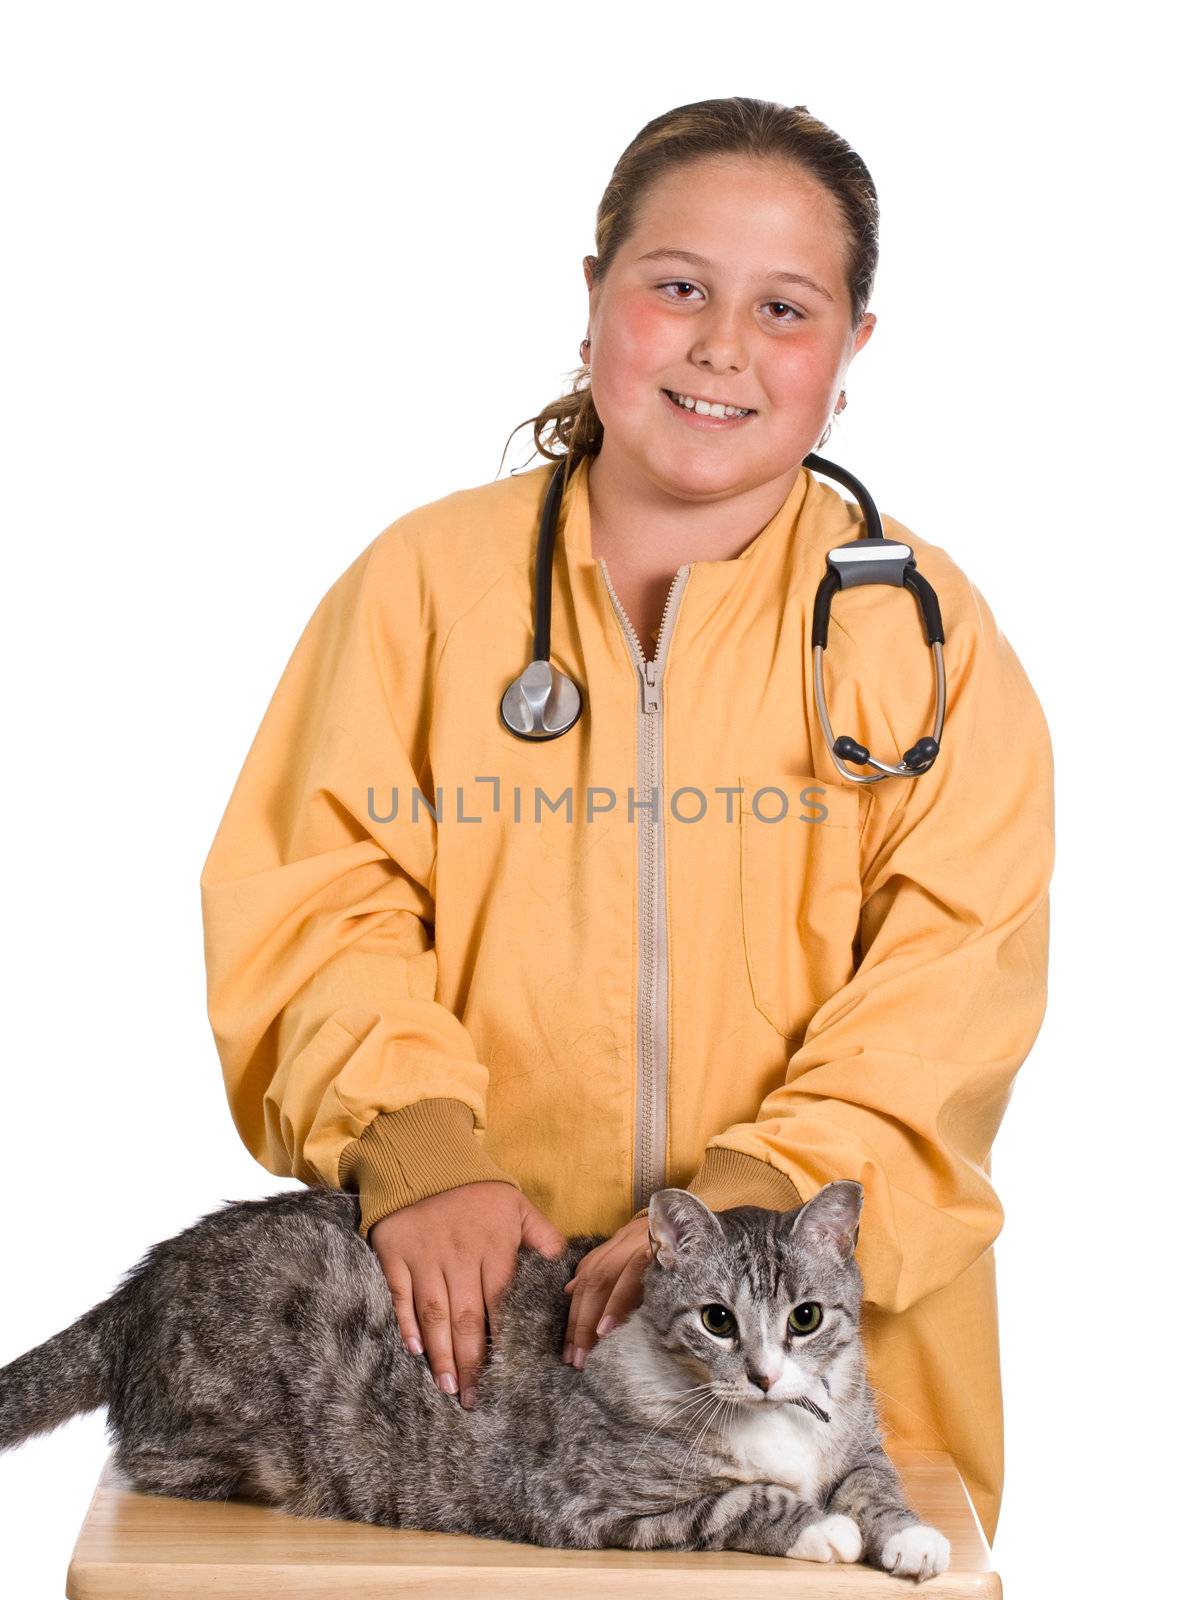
{"type": "Point", "coordinates": [762, 129]}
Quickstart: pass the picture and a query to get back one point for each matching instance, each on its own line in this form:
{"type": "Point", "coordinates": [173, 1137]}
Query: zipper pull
{"type": "Point", "coordinates": [650, 687]}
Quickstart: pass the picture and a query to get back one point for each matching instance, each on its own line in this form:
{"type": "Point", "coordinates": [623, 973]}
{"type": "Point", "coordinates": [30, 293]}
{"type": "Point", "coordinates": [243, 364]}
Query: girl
{"type": "Point", "coordinates": [507, 988]}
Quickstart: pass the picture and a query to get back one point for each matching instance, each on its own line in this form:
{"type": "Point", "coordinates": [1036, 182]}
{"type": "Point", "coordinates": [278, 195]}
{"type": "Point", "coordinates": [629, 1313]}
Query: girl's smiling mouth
{"type": "Point", "coordinates": [704, 419]}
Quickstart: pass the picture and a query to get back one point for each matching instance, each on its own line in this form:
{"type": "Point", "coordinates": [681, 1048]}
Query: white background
{"type": "Point", "coordinates": [275, 275]}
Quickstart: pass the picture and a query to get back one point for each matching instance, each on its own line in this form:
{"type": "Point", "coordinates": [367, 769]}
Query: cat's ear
{"type": "Point", "coordinates": [831, 1218]}
{"type": "Point", "coordinates": [680, 1226]}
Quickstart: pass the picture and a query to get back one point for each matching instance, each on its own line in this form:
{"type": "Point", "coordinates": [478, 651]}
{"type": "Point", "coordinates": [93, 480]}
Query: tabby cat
{"type": "Point", "coordinates": [257, 1354]}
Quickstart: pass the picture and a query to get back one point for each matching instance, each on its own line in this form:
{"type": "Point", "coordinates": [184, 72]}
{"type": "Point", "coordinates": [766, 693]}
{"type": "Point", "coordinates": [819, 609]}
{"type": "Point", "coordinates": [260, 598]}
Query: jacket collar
{"type": "Point", "coordinates": [772, 542]}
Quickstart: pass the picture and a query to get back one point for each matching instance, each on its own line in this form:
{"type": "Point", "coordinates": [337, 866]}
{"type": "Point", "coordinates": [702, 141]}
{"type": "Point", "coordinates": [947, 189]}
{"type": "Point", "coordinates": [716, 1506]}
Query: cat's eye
{"type": "Point", "coordinates": [719, 1321]}
{"type": "Point", "coordinates": [806, 1317]}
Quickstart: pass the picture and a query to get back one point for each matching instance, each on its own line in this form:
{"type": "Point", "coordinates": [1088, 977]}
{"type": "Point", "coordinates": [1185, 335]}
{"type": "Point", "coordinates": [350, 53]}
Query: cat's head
{"type": "Point", "coordinates": [764, 1305]}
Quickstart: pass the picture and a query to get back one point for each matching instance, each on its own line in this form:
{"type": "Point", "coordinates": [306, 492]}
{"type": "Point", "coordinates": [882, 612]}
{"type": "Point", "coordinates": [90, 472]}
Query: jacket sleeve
{"type": "Point", "coordinates": [340, 1065]}
{"type": "Point", "coordinates": [903, 1075]}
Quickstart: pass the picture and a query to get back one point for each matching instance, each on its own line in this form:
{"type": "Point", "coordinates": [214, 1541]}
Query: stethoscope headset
{"type": "Point", "coordinates": [542, 703]}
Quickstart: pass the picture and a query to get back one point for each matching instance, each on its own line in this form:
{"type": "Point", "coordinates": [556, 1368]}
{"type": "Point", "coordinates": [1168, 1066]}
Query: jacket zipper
{"type": "Point", "coordinates": [651, 1115]}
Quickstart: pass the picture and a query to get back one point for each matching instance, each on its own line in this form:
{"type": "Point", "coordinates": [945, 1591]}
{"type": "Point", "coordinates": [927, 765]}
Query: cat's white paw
{"type": "Point", "coordinates": [833, 1538]}
{"type": "Point", "coordinates": [919, 1551]}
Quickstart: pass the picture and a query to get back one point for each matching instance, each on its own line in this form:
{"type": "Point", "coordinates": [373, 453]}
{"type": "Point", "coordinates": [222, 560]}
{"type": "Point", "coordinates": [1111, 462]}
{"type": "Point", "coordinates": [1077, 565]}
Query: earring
{"type": "Point", "coordinates": [583, 349]}
{"type": "Point", "coordinates": [836, 413]}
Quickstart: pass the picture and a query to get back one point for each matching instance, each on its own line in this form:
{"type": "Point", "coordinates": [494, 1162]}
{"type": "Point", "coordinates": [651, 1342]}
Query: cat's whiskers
{"type": "Point", "coordinates": [711, 1406]}
{"type": "Point", "coordinates": [692, 1399]}
{"type": "Point", "coordinates": [723, 1402]}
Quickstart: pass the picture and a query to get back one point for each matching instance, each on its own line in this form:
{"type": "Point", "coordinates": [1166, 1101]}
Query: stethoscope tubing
{"type": "Point", "coordinates": [543, 703]}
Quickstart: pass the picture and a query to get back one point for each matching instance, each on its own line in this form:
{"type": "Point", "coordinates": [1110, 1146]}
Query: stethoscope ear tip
{"type": "Point", "coordinates": [849, 750]}
{"type": "Point", "coordinates": [920, 756]}
{"type": "Point", "coordinates": [914, 764]}
{"type": "Point", "coordinates": [542, 703]}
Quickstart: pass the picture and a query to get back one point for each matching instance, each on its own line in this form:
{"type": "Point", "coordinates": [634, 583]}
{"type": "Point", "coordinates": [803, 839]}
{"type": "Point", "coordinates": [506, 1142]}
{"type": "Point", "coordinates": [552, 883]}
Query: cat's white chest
{"type": "Point", "coordinates": [774, 1446]}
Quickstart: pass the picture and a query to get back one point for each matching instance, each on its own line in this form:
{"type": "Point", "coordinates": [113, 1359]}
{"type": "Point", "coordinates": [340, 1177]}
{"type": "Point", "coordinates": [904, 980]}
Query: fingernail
{"type": "Point", "coordinates": [469, 1398]}
{"type": "Point", "coordinates": [568, 1355]}
{"type": "Point", "coordinates": [579, 1357]}
{"type": "Point", "coordinates": [606, 1324]}
{"type": "Point", "coordinates": [415, 1346]}
{"type": "Point", "coordinates": [448, 1382]}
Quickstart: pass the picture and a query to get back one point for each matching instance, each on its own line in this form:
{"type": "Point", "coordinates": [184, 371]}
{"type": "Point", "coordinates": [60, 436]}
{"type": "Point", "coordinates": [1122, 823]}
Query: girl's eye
{"type": "Point", "coordinates": [680, 284]}
{"type": "Point", "coordinates": [791, 314]}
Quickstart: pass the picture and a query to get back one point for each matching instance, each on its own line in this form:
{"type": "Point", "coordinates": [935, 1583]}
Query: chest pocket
{"type": "Point", "coordinates": [801, 891]}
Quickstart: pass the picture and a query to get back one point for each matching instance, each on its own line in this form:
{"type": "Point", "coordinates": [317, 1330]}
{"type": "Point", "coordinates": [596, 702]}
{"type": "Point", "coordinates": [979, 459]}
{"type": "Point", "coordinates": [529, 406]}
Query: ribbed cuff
{"type": "Point", "coordinates": [727, 1178]}
{"type": "Point", "coordinates": [404, 1156]}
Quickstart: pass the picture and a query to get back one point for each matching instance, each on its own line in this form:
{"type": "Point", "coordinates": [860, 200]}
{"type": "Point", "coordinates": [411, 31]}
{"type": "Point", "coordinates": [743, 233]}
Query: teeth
{"type": "Point", "coordinates": [703, 408]}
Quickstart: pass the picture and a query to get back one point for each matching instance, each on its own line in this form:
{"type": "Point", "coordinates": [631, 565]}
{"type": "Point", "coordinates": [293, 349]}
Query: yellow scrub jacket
{"type": "Point", "coordinates": [673, 946]}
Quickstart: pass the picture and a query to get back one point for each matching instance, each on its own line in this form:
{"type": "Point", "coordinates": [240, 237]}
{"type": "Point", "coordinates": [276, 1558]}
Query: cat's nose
{"type": "Point", "coordinates": [764, 1380]}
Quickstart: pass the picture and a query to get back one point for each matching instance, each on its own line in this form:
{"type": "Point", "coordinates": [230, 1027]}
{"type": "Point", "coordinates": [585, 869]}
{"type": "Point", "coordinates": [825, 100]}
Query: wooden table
{"type": "Point", "coordinates": [134, 1545]}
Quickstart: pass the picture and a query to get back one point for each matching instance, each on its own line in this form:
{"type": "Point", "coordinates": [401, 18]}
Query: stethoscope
{"type": "Point", "coordinates": [542, 703]}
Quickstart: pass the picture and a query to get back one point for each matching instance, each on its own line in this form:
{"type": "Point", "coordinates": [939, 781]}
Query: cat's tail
{"type": "Point", "coordinates": [68, 1374]}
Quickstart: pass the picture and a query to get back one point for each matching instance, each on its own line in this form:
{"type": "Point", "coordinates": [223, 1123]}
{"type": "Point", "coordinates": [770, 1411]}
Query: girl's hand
{"type": "Point", "coordinates": [448, 1260]}
{"type": "Point", "coordinates": [608, 1283]}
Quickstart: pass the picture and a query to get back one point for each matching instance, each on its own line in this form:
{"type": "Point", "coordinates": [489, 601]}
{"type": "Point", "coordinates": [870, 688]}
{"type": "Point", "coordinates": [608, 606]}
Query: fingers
{"type": "Point", "coordinates": [494, 1286]}
{"type": "Point", "coordinates": [399, 1281]}
{"type": "Point", "coordinates": [541, 1234]}
{"type": "Point", "coordinates": [433, 1313]}
{"type": "Point", "coordinates": [607, 1290]}
{"type": "Point", "coordinates": [467, 1327]}
{"type": "Point", "coordinates": [586, 1310]}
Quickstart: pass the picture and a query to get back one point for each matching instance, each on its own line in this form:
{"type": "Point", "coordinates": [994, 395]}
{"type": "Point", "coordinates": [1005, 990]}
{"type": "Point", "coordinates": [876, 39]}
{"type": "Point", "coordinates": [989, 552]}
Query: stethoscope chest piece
{"type": "Point", "coordinates": [542, 703]}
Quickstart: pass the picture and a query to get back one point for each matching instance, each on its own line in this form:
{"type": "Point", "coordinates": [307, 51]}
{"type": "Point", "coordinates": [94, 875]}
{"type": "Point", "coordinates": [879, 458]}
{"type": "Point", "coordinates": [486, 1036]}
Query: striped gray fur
{"type": "Point", "coordinates": [257, 1355]}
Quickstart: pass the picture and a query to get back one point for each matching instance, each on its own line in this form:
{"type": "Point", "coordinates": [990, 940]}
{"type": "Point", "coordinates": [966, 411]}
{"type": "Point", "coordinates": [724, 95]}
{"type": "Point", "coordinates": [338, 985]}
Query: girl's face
{"type": "Point", "coordinates": [731, 288]}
